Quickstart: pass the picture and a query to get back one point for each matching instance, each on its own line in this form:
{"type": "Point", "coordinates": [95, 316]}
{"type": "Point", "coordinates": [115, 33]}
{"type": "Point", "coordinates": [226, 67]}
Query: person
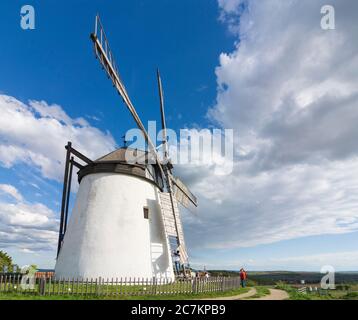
{"type": "Point", "coordinates": [177, 261]}
{"type": "Point", "coordinates": [243, 277]}
{"type": "Point", "coordinates": [192, 274]}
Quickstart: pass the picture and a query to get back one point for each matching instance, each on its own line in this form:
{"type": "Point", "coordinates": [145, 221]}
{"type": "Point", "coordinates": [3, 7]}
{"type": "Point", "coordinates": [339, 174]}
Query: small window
{"type": "Point", "coordinates": [146, 213]}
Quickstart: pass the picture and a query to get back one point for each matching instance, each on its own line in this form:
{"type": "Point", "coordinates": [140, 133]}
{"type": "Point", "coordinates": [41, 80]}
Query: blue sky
{"type": "Point", "coordinates": [281, 207]}
{"type": "Point", "coordinates": [144, 36]}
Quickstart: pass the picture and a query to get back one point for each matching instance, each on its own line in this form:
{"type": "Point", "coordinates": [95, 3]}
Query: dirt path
{"type": "Point", "coordinates": [275, 294]}
{"type": "Point", "coordinates": [248, 294]}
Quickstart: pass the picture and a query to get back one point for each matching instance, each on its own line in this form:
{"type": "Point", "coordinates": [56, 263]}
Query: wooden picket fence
{"type": "Point", "coordinates": [302, 290]}
{"type": "Point", "coordinates": [117, 286]}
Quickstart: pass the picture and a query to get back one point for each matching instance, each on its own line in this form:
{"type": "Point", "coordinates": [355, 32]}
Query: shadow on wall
{"type": "Point", "coordinates": [158, 243]}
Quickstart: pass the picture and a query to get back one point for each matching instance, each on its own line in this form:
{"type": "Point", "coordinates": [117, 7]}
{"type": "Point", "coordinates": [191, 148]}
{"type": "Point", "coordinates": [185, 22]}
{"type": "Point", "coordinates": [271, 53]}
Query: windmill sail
{"type": "Point", "coordinates": [162, 113]}
{"type": "Point", "coordinates": [106, 58]}
{"type": "Point", "coordinates": [171, 221]}
{"type": "Point", "coordinates": [171, 212]}
{"type": "Point", "coordinates": [183, 195]}
{"type": "Point", "coordinates": [180, 190]}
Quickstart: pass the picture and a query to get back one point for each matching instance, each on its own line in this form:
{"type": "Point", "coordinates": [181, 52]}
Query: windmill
{"type": "Point", "coordinates": [125, 221]}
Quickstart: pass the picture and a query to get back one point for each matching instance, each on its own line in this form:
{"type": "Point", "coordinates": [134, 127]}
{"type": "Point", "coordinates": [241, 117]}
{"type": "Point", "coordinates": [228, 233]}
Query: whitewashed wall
{"type": "Point", "coordinates": [107, 235]}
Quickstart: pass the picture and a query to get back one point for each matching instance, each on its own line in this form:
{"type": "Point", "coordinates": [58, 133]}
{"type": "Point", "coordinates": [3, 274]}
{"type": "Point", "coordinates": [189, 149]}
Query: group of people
{"type": "Point", "coordinates": [178, 269]}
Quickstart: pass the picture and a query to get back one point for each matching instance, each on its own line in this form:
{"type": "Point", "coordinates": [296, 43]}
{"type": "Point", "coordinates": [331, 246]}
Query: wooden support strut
{"type": "Point", "coordinates": [64, 195]}
{"type": "Point", "coordinates": [78, 154]}
{"type": "Point", "coordinates": [67, 179]}
{"type": "Point", "coordinates": [68, 194]}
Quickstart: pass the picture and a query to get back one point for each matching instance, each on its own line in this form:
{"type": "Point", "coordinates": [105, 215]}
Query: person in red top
{"type": "Point", "coordinates": [243, 277]}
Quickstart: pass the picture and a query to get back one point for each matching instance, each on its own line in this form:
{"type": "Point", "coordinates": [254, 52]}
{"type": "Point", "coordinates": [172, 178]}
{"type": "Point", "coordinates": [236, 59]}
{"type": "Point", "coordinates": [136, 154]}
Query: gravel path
{"type": "Point", "coordinates": [248, 294]}
{"type": "Point", "coordinates": [275, 294]}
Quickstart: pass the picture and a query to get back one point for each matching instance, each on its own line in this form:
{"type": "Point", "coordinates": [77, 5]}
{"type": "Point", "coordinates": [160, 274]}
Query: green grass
{"type": "Point", "coordinates": [91, 288]}
{"type": "Point", "coordinates": [329, 295]}
{"type": "Point", "coordinates": [292, 292]}
{"type": "Point", "coordinates": [29, 296]}
{"type": "Point", "coordinates": [261, 291]}
{"type": "Point", "coordinates": [351, 296]}
{"type": "Point", "coordinates": [139, 290]}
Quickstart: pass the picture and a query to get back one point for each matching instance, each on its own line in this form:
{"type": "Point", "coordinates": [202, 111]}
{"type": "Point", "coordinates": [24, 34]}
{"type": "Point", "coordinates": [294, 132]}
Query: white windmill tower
{"type": "Point", "coordinates": [125, 218]}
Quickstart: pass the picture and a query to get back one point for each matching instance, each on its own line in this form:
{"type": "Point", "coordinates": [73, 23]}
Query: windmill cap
{"type": "Point", "coordinates": [127, 161]}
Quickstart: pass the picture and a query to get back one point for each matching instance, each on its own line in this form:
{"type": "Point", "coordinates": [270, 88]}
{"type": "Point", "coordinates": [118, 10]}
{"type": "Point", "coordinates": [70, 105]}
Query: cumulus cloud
{"type": "Point", "coordinates": [36, 133]}
{"type": "Point", "coordinates": [340, 261]}
{"type": "Point", "coordinates": [27, 226]}
{"type": "Point", "coordinates": [10, 190]}
{"type": "Point", "coordinates": [289, 89]}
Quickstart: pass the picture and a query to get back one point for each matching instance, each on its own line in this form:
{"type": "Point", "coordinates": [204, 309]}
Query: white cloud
{"type": "Point", "coordinates": [27, 226]}
{"type": "Point", "coordinates": [36, 134]}
{"type": "Point", "coordinates": [229, 7]}
{"type": "Point", "coordinates": [340, 261]}
{"type": "Point", "coordinates": [289, 89]}
{"type": "Point", "coordinates": [346, 260]}
{"type": "Point", "coordinates": [25, 250]}
{"type": "Point", "coordinates": [10, 190]}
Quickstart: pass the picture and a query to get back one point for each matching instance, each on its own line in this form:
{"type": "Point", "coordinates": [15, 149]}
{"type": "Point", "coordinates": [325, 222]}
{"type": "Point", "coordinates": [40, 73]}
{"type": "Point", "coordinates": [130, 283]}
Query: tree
{"type": "Point", "coordinates": [5, 262]}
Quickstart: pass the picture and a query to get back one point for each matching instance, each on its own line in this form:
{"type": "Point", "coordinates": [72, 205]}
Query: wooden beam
{"type": "Point", "coordinates": [64, 194]}
{"type": "Point", "coordinates": [68, 196]}
{"type": "Point", "coordinates": [78, 154]}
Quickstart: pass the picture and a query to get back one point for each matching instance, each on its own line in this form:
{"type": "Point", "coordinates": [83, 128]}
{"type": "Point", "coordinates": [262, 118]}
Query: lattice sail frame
{"type": "Point", "coordinates": [170, 223]}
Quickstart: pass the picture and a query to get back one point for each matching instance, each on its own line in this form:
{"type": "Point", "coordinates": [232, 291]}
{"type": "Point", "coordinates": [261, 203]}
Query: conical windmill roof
{"type": "Point", "coordinates": [125, 161]}
{"type": "Point", "coordinates": [125, 154]}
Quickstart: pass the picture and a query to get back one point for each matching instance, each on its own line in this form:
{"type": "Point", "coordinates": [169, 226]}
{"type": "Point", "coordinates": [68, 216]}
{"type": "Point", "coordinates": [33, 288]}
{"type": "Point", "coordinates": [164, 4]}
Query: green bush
{"type": "Point", "coordinates": [345, 287]}
{"type": "Point", "coordinates": [5, 261]}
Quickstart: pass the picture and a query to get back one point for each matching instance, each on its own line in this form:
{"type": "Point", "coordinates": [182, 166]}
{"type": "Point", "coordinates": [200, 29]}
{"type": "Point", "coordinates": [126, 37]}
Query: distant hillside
{"type": "Point", "coordinates": [272, 277]}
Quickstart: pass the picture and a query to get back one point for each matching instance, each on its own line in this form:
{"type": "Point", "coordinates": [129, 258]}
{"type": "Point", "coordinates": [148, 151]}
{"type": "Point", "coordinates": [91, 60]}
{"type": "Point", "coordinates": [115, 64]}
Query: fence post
{"type": "Point", "coordinates": [222, 284]}
{"type": "Point", "coordinates": [194, 286]}
{"type": "Point", "coordinates": [154, 289]}
{"type": "Point", "coordinates": [99, 285]}
{"type": "Point", "coordinates": [42, 286]}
